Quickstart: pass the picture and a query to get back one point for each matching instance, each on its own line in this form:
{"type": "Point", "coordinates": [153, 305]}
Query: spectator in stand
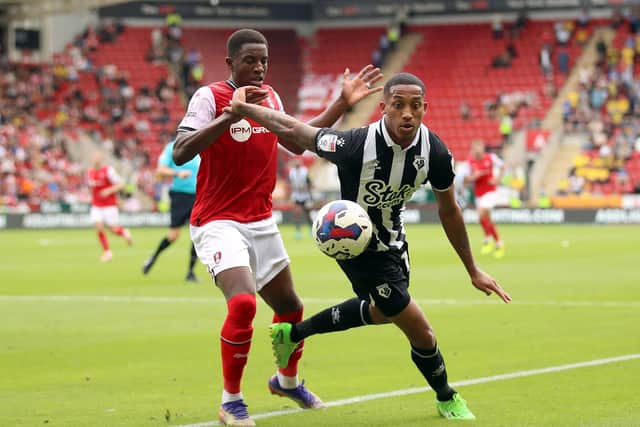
{"type": "Point", "coordinates": [496, 26]}
{"type": "Point", "coordinates": [502, 60]}
{"type": "Point", "coordinates": [563, 61]}
{"type": "Point", "coordinates": [545, 61]}
{"type": "Point", "coordinates": [562, 30]}
{"type": "Point", "coordinates": [465, 111]}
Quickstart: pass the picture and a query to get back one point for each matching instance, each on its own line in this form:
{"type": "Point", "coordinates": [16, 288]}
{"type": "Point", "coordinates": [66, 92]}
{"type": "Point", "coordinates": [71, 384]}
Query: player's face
{"type": "Point", "coordinates": [404, 108]}
{"type": "Point", "coordinates": [97, 158]}
{"type": "Point", "coordinates": [477, 149]}
{"type": "Point", "coordinates": [249, 66]}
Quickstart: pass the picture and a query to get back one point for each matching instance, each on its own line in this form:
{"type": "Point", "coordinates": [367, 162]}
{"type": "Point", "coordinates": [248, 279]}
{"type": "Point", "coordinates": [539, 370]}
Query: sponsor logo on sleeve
{"type": "Point", "coordinates": [328, 143]}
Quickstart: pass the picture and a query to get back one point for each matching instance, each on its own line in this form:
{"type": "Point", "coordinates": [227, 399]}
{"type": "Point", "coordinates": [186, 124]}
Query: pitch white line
{"type": "Point", "coordinates": [205, 300]}
{"type": "Point", "coordinates": [414, 390]}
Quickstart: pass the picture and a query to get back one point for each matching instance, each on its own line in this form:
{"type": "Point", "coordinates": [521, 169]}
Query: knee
{"type": "Point", "coordinates": [426, 338]}
{"type": "Point", "coordinates": [377, 317]}
{"type": "Point", "coordinates": [242, 308]}
{"type": "Point", "coordinates": [290, 304]}
{"type": "Point", "coordinates": [173, 234]}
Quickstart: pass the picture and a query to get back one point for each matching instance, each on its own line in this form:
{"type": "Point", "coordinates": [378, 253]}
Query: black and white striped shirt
{"type": "Point", "coordinates": [381, 176]}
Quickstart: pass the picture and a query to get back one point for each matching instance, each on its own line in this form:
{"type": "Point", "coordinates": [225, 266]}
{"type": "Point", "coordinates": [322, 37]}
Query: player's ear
{"type": "Point", "coordinates": [426, 105]}
{"type": "Point", "coordinates": [382, 105]}
{"type": "Point", "coordinates": [229, 62]}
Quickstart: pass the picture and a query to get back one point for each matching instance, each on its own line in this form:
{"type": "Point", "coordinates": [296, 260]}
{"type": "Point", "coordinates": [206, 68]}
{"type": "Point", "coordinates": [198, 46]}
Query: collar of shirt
{"type": "Point", "coordinates": [389, 141]}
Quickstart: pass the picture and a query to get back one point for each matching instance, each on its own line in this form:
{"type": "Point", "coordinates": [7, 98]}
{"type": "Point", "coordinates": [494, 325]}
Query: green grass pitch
{"type": "Point", "coordinates": [90, 344]}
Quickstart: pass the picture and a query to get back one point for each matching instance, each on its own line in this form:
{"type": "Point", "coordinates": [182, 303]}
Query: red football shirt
{"type": "Point", "coordinates": [237, 172]}
{"type": "Point", "coordinates": [485, 165]}
{"type": "Point", "coordinates": [99, 179]}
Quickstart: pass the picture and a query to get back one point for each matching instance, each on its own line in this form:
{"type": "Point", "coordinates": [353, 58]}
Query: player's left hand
{"type": "Point", "coordinates": [356, 88]}
{"type": "Point", "coordinates": [487, 284]}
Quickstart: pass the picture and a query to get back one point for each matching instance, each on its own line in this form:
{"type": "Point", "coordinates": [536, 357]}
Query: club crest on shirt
{"type": "Point", "coordinates": [328, 143]}
{"type": "Point", "coordinates": [384, 290]}
{"type": "Point", "coordinates": [419, 162]}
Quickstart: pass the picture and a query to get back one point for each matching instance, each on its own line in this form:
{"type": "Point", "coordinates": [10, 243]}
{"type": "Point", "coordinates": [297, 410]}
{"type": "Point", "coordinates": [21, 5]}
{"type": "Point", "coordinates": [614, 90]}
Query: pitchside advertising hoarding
{"type": "Point", "coordinates": [284, 10]}
{"type": "Point", "coordinates": [411, 216]}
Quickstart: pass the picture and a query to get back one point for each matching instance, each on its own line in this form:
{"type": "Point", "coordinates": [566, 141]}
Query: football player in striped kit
{"type": "Point", "coordinates": [380, 166]}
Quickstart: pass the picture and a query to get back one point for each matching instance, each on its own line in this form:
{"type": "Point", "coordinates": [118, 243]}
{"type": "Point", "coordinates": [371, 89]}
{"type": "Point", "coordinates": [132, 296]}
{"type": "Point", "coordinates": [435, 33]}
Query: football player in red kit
{"type": "Point", "coordinates": [105, 184]}
{"type": "Point", "coordinates": [485, 172]}
{"type": "Point", "coordinates": [232, 227]}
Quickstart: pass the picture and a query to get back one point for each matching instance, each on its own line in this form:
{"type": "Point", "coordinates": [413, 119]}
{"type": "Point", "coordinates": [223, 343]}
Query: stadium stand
{"type": "Point", "coordinates": [479, 86]}
{"type": "Point", "coordinates": [605, 108]}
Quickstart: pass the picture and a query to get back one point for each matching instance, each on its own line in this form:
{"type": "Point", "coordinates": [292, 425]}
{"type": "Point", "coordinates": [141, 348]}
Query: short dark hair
{"type": "Point", "coordinates": [403, 79]}
{"type": "Point", "coordinates": [244, 36]}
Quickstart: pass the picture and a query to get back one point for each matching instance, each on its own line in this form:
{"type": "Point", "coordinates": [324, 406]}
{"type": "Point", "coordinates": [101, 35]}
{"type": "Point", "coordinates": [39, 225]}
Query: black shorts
{"type": "Point", "coordinates": [382, 277]}
{"type": "Point", "coordinates": [181, 205]}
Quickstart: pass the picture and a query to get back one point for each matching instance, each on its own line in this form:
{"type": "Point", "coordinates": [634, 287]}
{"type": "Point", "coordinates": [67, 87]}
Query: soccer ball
{"type": "Point", "coordinates": [342, 229]}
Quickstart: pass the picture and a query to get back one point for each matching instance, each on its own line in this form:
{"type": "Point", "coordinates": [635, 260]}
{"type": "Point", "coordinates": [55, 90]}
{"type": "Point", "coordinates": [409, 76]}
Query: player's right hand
{"type": "Point", "coordinates": [184, 174]}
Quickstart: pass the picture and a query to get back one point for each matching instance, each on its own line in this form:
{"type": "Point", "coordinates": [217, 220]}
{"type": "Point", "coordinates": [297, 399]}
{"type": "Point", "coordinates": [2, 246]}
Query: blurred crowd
{"type": "Point", "coordinates": [606, 107]}
{"type": "Point", "coordinates": [35, 166]}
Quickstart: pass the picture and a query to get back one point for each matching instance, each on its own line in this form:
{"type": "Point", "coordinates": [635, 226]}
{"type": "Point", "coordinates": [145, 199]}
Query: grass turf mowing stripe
{"type": "Point", "coordinates": [414, 390]}
{"type": "Point", "coordinates": [151, 299]}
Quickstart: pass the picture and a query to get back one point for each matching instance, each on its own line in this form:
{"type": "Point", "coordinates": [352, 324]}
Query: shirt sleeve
{"type": "Point", "coordinates": [496, 161]}
{"type": "Point", "coordinates": [340, 147]}
{"type": "Point", "coordinates": [114, 178]}
{"type": "Point", "coordinates": [201, 110]}
{"type": "Point", "coordinates": [166, 158]}
{"type": "Point", "coordinates": [441, 169]}
{"type": "Point", "coordinates": [280, 104]}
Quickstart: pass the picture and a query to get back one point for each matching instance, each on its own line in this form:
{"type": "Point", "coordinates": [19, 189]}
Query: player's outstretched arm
{"type": "Point", "coordinates": [189, 143]}
{"type": "Point", "coordinates": [454, 227]}
{"type": "Point", "coordinates": [283, 125]}
{"type": "Point", "coordinates": [354, 89]}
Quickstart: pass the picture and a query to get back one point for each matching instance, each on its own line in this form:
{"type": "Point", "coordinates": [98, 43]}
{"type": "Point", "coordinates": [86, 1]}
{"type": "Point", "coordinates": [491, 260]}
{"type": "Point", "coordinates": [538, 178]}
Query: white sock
{"type": "Point", "coordinates": [287, 382]}
{"type": "Point", "coordinates": [230, 397]}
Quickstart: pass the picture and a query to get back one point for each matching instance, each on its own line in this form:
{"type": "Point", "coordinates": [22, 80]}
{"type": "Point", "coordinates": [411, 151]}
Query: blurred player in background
{"type": "Point", "coordinates": [105, 184]}
{"type": "Point", "coordinates": [485, 172]}
{"type": "Point", "coordinates": [380, 167]}
{"type": "Point", "coordinates": [232, 226]}
{"type": "Point", "coordinates": [182, 193]}
{"type": "Point", "coordinates": [300, 194]}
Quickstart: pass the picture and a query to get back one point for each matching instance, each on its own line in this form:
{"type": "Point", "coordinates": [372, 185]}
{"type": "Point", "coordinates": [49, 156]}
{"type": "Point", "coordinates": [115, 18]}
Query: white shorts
{"type": "Point", "coordinates": [224, 244]}
{"type": "Point", "coordinates": [487, 200]}
{"type": "Point", "coordinates": [105, 214]}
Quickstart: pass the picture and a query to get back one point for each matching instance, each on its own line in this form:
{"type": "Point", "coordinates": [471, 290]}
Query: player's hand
{"type": "Point", "coordinates": [105, 192]}
{"type": "Point", "coordinates": [487, 284]}
{"type": "Point", "coordinates": [356, 88]}
{"type": "Point", "coordinates": [184, 174]}
{"type": "Point", "coordinates": [245, 95]}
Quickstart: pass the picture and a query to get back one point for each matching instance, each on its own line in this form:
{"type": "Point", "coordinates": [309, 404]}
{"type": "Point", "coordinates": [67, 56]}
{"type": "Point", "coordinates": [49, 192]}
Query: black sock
{"type": "Point", "coordinates": [431, 365]}
{"type": "Point", "coordinates": [349, 314]}
{"type": "Point", "coordinates": [164, 244]}
{"type": "Point", "coordinates": [193, 259]}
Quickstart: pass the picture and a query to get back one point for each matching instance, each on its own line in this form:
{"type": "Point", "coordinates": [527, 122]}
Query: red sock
{"type": "Point", "coordinates": [486, 226]}
{"type": "Point", "coordinates": [494, 232]}
{"type": "Point", "coordinates": [119, 230]}
{"type": "Point", "coordinates": [292, 368]}
{"type": "Point", "coordinates": [235, 339]}
{"type": "Point", "coordinates": [103, 240]}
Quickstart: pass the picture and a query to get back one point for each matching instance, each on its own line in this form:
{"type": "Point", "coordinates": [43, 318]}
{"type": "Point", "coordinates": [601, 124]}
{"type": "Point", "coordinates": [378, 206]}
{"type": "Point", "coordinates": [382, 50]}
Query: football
{"type": "Point", "coordinates": [342, 229]}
